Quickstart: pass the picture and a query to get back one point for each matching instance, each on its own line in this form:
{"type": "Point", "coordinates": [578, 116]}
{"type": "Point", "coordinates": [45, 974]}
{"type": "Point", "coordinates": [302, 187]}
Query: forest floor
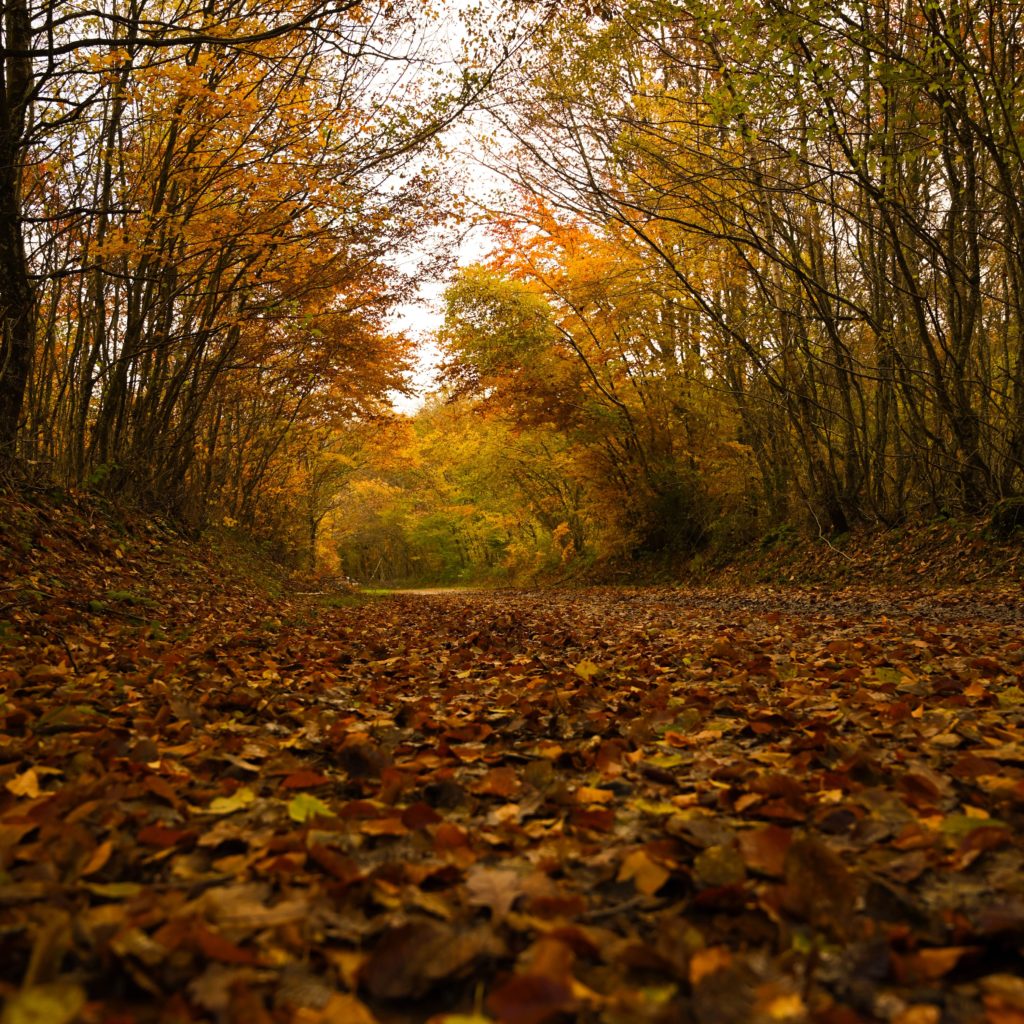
{"type": "Point", "coordinates": [746, 803]}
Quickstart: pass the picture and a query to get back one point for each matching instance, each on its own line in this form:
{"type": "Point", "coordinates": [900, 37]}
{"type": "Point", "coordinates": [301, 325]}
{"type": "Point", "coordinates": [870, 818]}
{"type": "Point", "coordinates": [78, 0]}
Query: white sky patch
{"type": "Point", "coordinates": [421, 318]}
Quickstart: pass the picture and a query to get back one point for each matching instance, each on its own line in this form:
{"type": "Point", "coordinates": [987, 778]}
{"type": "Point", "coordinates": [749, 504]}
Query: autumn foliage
{"type": "Point", "coordinates": [758, 266]}
{"type": "Point", "coordinates": [210, 207]}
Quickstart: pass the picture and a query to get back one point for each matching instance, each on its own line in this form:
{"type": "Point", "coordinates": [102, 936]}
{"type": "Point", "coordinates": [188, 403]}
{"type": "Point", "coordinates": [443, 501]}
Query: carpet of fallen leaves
{"type": "Point", "coordinates": [607, 805]}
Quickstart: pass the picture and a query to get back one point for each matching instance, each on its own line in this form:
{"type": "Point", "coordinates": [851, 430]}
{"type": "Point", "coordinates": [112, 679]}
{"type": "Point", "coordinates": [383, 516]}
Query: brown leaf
{"type": "Point", "coordinates": [419, 815]}
{"type": "Point", "coordinates": [819, 887]}
{"type": "Point", "coordinates": [158, 835]}
{"type": "Point", "coordinates": [411, 959]}
{"type": "Point", "coordinates": [531, 999]}
{"type": "Point", "coordinates": [304, 780]}
{"type": "Point", "coordinates": [719, 866]}
{"type": "Point", "coordinates": [215, 946]}
{"type": "Point", "coordinates": [495, 888]}
{"type": "Point", "coordinates": [764, 849]}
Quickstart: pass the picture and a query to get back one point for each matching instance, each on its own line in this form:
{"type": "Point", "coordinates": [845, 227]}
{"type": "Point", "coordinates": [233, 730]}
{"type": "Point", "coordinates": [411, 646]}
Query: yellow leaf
{"type": "Point", "coordinates": [25, 784]}
{"type": "Point", "coordinates": [658, 807]}
{"type": "Point", "coordinates": [305, 806]}
{"type": "Point", "coordinates": [787, 1007]}
{"type": "Point", "coordinates": [593, 795]}
{"type": "Point", "coordinates": [342, 1008]}
{"type": "Point", "coordinates": [647, 876]}
{"type": "Point", "coordinates": [59, 1003]}
{"type": "Point", "coordinates": [919, 1013]}
{"type": "Point", "coordinates": [587, 670]}
{"type": "Point", "coordinates": [461, 1018]}
{"type": "Point", "coordinates": [114, 890]}
{"type": "Point", "coordinates": [241, 797]}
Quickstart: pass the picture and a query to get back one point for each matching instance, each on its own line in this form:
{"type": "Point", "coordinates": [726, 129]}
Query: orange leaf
{"type": "Point", "coordinates": [501, 782]}
{"type": "Point", "coordinates": [764, 849]}
{"type": "Point", "coordinates": [99, 858]}
{"type": "Point", "coordinates": [708, 961]}
{"type": "Point", "coordinates": [647, 875]}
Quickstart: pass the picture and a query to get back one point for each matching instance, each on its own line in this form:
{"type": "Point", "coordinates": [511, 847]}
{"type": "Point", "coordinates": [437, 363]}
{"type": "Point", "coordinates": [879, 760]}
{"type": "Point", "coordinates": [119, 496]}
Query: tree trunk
{"type": "Point", "coordinates": [17, 296]}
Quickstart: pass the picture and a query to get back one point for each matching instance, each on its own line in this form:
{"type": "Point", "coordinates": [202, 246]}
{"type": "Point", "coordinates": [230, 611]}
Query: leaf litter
{"type": "Point", "coordinates": [607, 805]}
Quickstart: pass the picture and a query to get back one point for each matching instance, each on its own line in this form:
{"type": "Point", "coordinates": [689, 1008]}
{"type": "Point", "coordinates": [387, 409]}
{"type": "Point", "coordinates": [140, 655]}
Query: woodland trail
{"type": "Point", "coordinates": [609, 805]}
{"type": "Point", "coordinates": [431, 591]}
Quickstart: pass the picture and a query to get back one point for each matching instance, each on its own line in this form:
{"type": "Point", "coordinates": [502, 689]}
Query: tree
{"type": "Point", "coordinates": [179, 173]}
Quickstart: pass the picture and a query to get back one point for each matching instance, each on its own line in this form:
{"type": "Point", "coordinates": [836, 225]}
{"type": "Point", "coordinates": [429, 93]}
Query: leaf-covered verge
{"type": "Point", "coordinates": [955, 551]}
{"type": "Point", "coordinates": [616, 805]}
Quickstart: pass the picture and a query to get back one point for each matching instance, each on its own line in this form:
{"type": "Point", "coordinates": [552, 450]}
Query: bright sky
{"type": "Point", "coordinates": [421, 318]}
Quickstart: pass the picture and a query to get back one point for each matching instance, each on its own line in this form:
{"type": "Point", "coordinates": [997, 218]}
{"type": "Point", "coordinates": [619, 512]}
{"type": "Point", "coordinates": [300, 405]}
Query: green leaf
{"type": "Point", "coordinates": [963, 824]}
{"type": "Point", "coordinates": [656, 807]}
{"type": "Point", "coordinates": [1010, 697]}
{"type": "Point", "coordinates": [667, 760]}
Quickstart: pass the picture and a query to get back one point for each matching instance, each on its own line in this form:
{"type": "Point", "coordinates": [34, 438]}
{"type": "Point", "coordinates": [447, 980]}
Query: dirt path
{"type": "Point", "coordinates": [432, 591]}
{"type": "Point", "coordinates": [609, 805]}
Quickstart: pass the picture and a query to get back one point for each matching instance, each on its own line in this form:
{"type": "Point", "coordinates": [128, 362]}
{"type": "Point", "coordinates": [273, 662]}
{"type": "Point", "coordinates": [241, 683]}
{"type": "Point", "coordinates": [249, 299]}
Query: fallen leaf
{"type": "Point", "coordinates": [719, 866]}
{"type": "Point", "coordinates": [25, 784]}
{"type": "Point", "coordinates": [98, 858]}
{"type": "Point", "coordinates": [646, 875]}
{"type": "Point", "coordinates": [929, 964]}
{"type": "Point", "coordinates": [56, 1003]}
{"type": "Point", "coordinates": [531, 999]}
{"type": "Point", "coordinates": [304, 780]}
{"type": "Point", "coordinates": [706, 962]}
{"type": "Point", "coordinates": [305, 806]}
{"type": "Point", "coordinates": [241, 798]}
{"type": "Point", "coordinates": [343, 1008]}
{"type": "Point", "coordinates": [764, 849]}
{"type": "Point", "coordinates": [495, 888]}
{"type": "Point", "coordinates": [408, 961]}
